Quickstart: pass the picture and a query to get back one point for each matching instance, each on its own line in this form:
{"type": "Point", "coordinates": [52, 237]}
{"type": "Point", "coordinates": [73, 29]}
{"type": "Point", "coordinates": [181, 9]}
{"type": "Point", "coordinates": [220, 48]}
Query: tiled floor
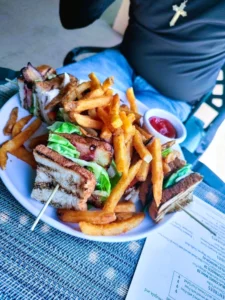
{"type": "Point", "coordinates": [31, 31]}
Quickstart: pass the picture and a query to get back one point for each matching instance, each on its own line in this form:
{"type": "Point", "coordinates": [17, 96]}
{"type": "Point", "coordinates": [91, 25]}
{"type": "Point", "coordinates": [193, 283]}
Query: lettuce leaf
{"type": "Point", "coordinates": [116, 177]}
{"type": "Point", "coordinates": [62, 146]}
{"type": "Point", "coordinates": [64, 127]}
{"type": "Point", "coordinates": [102, 177]}
{"type": "Point", "coordinates": [61, 115]}
{"type": "Point", "coordinates": [166, 152]}
{"type": "Point", "coordinates": [89, 206]}
{"type": "Point", "coordinates": [66, 149]}
{"type": "Point", "coordinates": [175, 177]}
{"type": "Point", "coordinates": [34, 109]}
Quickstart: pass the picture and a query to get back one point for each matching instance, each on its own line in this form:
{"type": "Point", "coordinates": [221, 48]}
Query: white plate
{"type": "Point", "coordinates": [19, 177]}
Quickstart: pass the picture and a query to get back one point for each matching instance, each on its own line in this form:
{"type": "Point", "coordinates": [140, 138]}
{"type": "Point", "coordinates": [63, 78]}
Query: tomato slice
{"type": "Point", "coordinates": [52, 115]}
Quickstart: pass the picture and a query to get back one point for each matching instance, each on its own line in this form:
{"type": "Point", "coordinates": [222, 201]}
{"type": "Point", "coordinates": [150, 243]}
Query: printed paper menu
{"type": "Point", "coordinates": [183, 261]}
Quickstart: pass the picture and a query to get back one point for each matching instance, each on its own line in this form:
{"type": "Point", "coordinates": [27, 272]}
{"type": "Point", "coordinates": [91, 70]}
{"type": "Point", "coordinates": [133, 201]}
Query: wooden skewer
{"type": "Point", "coordinates": [11, 81]}
{"type": "Point", "coordinates": [45, 206]}
{"type": "Point", "coordinates": [193, 217]}
{"type": "Point", "coordinates": [57, 187]}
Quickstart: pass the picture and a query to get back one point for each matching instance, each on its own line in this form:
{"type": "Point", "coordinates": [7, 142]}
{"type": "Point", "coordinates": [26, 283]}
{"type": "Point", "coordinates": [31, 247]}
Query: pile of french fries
{"type": "Point", "coordinates": [93, 106]}
{"type": "Point", "coordinates": [97, 110]}
{"type": "Point", "coordinates": [15, 146]}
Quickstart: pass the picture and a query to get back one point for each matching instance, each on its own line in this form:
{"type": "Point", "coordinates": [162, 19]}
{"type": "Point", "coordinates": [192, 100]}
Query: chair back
{"type": "Point", "coordinates": [206, 118]}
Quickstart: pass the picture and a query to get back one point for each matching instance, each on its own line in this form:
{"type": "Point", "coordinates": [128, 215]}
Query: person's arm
{"type": "Point", "coordinates": [81, 13]}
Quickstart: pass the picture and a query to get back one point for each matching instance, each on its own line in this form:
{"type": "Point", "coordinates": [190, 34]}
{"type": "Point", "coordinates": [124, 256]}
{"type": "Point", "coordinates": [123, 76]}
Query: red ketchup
{"type": "Point", "coordinates": [163, 126]}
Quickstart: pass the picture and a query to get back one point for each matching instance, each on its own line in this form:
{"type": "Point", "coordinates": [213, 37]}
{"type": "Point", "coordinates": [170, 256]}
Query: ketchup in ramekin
{"type": "Point", "coordinates": [163, 126]}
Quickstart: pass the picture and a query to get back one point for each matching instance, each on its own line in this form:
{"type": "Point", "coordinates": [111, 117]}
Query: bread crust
{"type": "Point", "coordinates": [76, 184]}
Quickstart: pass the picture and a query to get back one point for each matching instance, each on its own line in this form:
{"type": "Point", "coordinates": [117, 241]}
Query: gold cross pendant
{"type": "Point", "coordinates": [179, 11]}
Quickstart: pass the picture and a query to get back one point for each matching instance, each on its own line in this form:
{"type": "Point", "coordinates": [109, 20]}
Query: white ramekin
{"type": "Point", "coordinates": [178, 125]}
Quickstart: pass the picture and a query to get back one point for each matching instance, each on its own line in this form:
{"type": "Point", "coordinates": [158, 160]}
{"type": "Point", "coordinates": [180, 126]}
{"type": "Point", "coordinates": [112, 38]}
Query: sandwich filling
{"type": "Point", "coordinates": [63, 138]}
{"type": "Point", "coordinates": [178, 186]}
{"type": "Point", "coordinates": [76, 184]}
{"type": "Point", "coordinates": [38, 87]}
{"type": "Point", "coordinates": [179, 169]}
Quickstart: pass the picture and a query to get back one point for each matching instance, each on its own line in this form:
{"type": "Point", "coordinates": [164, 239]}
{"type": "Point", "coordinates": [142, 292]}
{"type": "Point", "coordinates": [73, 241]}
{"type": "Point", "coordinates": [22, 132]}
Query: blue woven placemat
{"type": "Point", "coordinates": [49, 264]}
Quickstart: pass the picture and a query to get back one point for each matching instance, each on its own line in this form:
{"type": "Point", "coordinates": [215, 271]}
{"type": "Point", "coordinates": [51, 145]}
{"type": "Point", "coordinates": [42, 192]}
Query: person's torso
{"type": "Point", "coordinates": [182, 61]}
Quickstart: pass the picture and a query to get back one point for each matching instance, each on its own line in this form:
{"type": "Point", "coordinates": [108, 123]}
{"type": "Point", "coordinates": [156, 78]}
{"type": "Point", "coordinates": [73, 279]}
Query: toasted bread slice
{"type": "Point", "coordinates": [181, 192]}
{"type": "Point", "coordinates": [76, 184]}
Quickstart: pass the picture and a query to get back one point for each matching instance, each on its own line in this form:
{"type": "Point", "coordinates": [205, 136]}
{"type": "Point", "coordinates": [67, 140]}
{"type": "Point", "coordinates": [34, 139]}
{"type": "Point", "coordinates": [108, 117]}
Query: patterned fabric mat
{"type": "Point", "coordinates": [49, 264]}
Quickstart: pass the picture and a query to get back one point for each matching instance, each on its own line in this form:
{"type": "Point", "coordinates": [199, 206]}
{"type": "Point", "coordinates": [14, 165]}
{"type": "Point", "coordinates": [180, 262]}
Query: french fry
{"type": "Point", "coordinates": [23, 136]}
{"type": "Point", "coordinates": [168, 145]}
{"type": "Point", "coordinates": [67, 93]}
{"type": "Point", "coordinates": [129, 147]}
{"type": "Point", "coordinates": [157, 170]}
{"type": "Point", "coordinates": [107, 110]}
{"type": "Point", "coordinates": [171, 156]}
{"type": "Point", "coordinates": [93, 217]}
{"type": "Point", "coordinates": [93, 113]}
{"type": "Point", "coordinates": [83, 131]}
{"type": "Point", "coordinates": [94, 94]}
{"type": "Point", "coordinates": [116, 121]}
{"type": "Point", "coordinates": [82, 105]}
{"type": "Point", "coordinates": [23, 154]}
{"type": "Point", "coordinates": [106, 134]}
{"type": "Point", "coordinates": [85, 121]}
{"type": "Point", "coordinates": [140, 147]}
{"type": "Point", "coordinates": [89, 132]}
{"type": "Point", "coordinates": [119, 150]}
{"type": "Point", "coordinates": [38, 140]}
{"type": "Point", "coordinates": [3, 158]}
{"type": "Point", "coordinates": [119, 189]}
{"type": "Point", "coordinates": [113, 228]}
{"type": "Point", "coordinates": [143, 132]}
{"type": "Point", "coordinates": [131, 117]}
{"type": "Point", "coordinates": [83, 87]}
{"type": "Point", "coordinates": [166, 168]}
{"type": "Point", "coordinates": [11, 121]}
{"type": "Point", "coordinates": [143, 171]}
{"type": "Point", "coordinates": [131, 99]}
{"type": "Point", "coordinates": [144, 140]}
{"type": "Point", "coordinates": [17, 128]}
{"type": "Point", "coordinates": [127, 110]}
{"type": "Point", "coordinates": [125, 206]}
{"type": "Point", "coordinates": [129, 136]}
{"type": "Point", "coordinates": [102, 114]}
{"type": "Point", "coordinates": [107, 83]}
{"type": "Point", "coordinates": [109, 93]}
{"type": "Point", "coordinates": [128, 156]}
{"type": "Point", "coordinates": [127, 126]}
{"type": "Point", "coordinates": [95, 83]}
{"type": "Point", "coordinates": [114, 112]}
{"type": "Point", "coordinates": [17, 141]}
{"type": "Point", "coordinates": [122, 216]}
{"type": "Point", "coordinates": [115, 105]}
